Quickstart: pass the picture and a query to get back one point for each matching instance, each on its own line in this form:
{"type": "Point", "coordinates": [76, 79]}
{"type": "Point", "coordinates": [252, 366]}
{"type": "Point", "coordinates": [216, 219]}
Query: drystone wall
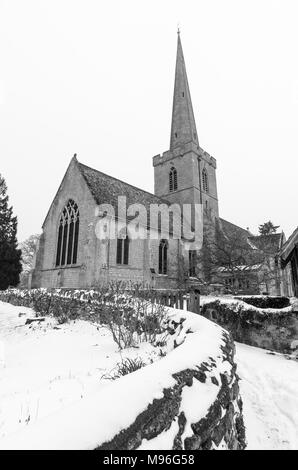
{"type": "Point", "coordinates": [220, 427]}
{"type": "Point", "coordinates": [274, 329]}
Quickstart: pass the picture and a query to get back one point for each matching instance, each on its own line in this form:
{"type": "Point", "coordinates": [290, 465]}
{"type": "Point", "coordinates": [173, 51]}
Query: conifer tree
{"type": "Point", "coordinates": [268, 228]}
{"type": "Point", "coordinates": [10, 255]}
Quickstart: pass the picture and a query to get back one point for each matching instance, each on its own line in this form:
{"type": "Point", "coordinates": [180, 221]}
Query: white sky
{"type": "Point", "coordinates": [96, 78]}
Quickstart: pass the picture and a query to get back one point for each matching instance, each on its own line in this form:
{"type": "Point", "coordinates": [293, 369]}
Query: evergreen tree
{"type": "Point", "coordinates": [10, 255]}
{"type": "Point", "coordinates": [268, 228]}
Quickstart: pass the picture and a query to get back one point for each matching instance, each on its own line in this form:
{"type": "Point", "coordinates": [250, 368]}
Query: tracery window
{"type": "Point", "coordinates": [68, 235]}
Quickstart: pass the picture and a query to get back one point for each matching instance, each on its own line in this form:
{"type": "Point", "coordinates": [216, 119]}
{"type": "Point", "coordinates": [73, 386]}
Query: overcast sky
{"type": "Point", "coordinates": [96, 78]}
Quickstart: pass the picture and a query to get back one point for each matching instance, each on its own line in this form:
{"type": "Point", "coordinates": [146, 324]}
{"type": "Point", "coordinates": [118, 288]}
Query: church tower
{"type": "Point", "coordinates": [185, 174]}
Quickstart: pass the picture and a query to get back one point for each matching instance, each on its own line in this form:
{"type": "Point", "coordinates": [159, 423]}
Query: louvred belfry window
{"type": "Point", "coordinates": [173, 180]}
{"type": "Point", "coordinates": [68, 235]}
{"type": "Point", "coordinates": [205, 180]}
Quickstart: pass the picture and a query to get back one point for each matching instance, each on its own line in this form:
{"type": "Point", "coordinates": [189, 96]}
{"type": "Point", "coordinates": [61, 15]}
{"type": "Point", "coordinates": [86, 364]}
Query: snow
{"type": "Point", "coordinates": [44, 367]}
{"type": "Point", "coordinates": [268, 386]}
{"type": "Point", "coordinates": [193, 410]}
{"type": "Point", "coordinates": [52, 395]}
{"type": "Point", "coordinates": [101, 412]}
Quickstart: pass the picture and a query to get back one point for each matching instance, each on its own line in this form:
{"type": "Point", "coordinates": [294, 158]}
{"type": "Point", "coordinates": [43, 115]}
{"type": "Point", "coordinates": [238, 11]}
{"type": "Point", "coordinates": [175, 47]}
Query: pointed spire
{"type": "Point", "coordinates": [183, 128]}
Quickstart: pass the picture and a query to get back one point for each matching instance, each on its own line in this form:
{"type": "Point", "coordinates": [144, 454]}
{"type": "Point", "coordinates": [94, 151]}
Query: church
{"type": "Point", "coordinates": [70, 254]}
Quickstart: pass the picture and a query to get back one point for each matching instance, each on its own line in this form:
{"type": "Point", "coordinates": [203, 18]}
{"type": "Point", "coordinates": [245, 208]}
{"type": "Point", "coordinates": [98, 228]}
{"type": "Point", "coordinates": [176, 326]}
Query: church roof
{"type": "Point", "coordinates": [106, 189]}
{"type": "Point", "coordinates": [269, 244]}
{"type": "Point", "coordinates": [230, 229]}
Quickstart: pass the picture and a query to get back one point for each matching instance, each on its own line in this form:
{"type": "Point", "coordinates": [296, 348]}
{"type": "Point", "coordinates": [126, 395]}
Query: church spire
{"type": "Point", "coordinates": [183, 128]}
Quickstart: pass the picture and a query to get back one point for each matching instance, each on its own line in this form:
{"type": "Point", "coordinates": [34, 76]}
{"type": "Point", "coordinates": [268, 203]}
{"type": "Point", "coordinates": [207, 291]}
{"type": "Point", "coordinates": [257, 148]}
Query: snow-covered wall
{"type": "Point", "coordinates": [189, 399]}
{"type": "Point", "coordinates": [268, 328]}
{"type": "Point", "coordinates": [202, 409]}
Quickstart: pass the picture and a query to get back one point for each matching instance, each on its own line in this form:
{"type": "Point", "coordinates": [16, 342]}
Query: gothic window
{"type": "Point", "coordinates": [205, 180]}
{"type": "Point", "coordinates": [163, 257]}
{"type": "Point", "coordinates": [173, 181]}
{"type": "Point", "coordinates": [122, 248]}
{"type": "Point", "coordinates": [192, 257]}
{"type": "Point", "coordinates": [68, 235]}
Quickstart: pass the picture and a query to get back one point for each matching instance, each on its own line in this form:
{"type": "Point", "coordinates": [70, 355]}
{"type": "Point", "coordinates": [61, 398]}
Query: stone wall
{"type": "Point", "coordinates": [222, 427]}
{"type": "Point", "coordinates": [275, 329]}
{"type": "Point", "coordinates": [188, 399]}
{"type": "Point", "coordinates": [221, 423]}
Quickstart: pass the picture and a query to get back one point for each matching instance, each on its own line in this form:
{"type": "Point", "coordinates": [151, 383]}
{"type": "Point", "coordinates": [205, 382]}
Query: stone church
{"type": "Point", "coordinates": [70, 253]}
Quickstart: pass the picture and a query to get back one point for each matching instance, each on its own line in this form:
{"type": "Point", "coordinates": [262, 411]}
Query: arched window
{"type": "Point", "coordinates": [173, 181]}
{"type": "Point", "coordinates": [205, 180]}
{"type": "Point", "coordinates": [122, 248]}
{"type": "Point", "coordinates": [163, 257]}
{"type": "Point", "coordinates": [68, 235]}
{"type": "Point", "coordinates": [192, 257]}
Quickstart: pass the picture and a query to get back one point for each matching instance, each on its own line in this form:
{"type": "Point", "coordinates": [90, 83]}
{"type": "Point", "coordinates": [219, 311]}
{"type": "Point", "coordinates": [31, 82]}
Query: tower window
{"type": "Point", "coordinates": [122, 248]}
{"type": "Point", "coordinates": [173, 179]}
{"type": "Point", "coordinates": [176, 135]}
{"type": "Point", "coordinates": [163, 257]}
{"type": "Point", "coordinates": [183, 94]}
{"type": "Point", "coordinates": [205, 180]}
{"type": "Point", "coordinates": [68, 235]}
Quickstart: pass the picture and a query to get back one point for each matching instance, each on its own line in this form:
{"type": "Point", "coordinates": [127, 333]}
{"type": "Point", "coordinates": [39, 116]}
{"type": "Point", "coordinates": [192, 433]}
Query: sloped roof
{"type": "Point", "coordinates": [289, 246]}
{"type": "Point", "coordinates": [270, 244]}
{"type": "Point", "coordinates": [106, 189]}
{"type": "Point", "coordinates": [240, 268]}
{"type": "Point", "coordinates": [230, 229]}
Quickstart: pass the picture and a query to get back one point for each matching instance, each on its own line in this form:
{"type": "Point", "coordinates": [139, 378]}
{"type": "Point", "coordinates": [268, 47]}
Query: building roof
{"type": "Point", "coordinates": [289, 246]}
{"type": "Point", "coordinates": [240, 268]}
{"type": "Point", "coordinates": [106, 189]}
{"type": "Point", "coordinates": [270, 244]}
{"type": "Point", "coordinates": [230, 229]}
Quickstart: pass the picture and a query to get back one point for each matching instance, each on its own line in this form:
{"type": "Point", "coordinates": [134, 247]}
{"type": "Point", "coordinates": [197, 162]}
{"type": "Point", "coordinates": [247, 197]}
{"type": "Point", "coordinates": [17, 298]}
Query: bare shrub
{"type": "Point", "coordinates": [132, 317]}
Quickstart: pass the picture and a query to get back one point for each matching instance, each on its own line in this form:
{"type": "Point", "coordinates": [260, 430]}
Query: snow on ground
{"type": "Point", "coordinates": [49, 370]}
{"type": "Point", "coordinates": [99, 416]}
{"type": "Point", "coordinates": [44, 366]}
{"type": "Point", "coordinates": [269, 390]}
